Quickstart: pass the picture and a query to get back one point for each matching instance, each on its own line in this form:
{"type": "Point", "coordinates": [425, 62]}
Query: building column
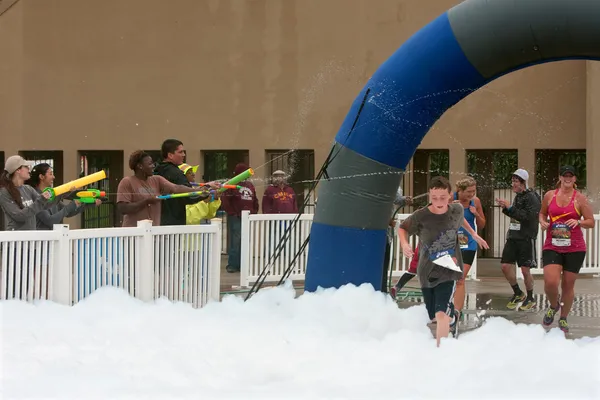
{"type": "Point", "coordinates": [71, 172]}
{"type": "Point", "coordinates": [256, 161]}
{"type": "Point", "coordinates": [457, 164]}
{"type": "Point", "coordinates": [526, 161]}
{"type": "Point", "coordinates": [593, 133]}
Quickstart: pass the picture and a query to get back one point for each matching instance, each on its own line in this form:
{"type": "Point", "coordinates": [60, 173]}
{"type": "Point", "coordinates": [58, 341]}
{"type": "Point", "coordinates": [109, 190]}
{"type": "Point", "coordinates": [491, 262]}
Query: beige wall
{"type": "Point", "coordinates": [239, 74]}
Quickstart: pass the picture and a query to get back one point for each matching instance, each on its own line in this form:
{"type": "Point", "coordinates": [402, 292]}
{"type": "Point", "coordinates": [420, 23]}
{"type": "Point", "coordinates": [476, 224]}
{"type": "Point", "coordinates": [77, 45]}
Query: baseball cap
{"type": "Point", "coordinates": [524, 175]}
{"type": "Point", "coordinates": [186, 167]}
{"type": "Point", "coordinates": [13, 163]}
{"type": "Point", "coordinates": [565, 169]}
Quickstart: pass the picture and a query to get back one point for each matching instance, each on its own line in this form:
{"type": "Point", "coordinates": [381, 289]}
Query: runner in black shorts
{"type": "Point", "coordinates": [520, 243]}
{"type": "Point", "coordinates": [465, 195]}
{"type": "Point", "coordinates": [565, 211]}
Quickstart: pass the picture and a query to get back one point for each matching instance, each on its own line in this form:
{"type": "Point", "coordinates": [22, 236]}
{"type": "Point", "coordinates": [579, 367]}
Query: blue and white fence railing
{"type": "Point", "coordinates": [181, 263]}
{"type": "Point", "coordinates": [262, 232]}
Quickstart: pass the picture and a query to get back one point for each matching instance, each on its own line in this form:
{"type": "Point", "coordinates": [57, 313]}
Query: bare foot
{"type": "Point", "coordinates": [443, 326]}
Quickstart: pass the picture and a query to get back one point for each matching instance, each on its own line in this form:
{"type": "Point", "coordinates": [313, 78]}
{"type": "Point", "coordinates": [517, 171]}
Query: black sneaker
{"type": "Point", "coordinates": [515, 300]}
{"type": "Point", "coordinates": [527, 305]}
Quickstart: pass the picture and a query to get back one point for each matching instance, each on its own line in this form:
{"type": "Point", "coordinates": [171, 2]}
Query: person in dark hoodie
{"type": "Point", "coordinates": [520, 241]}
{"type": "Point", "coordinates": [173, 211]}
{"type": "Point", "coordinates": [233, 203]}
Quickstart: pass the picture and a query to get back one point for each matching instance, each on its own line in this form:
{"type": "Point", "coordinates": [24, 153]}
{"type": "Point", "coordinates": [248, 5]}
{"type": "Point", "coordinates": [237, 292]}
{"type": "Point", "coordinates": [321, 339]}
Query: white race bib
{"type": "Point", "coordinates": [514, 226]}
{"type": "Point", "coordinates": [561, 235]}
{"type": "Point", "coordinates": [463, 240]}
{"type": "Point", "coordinates": [447, 262]}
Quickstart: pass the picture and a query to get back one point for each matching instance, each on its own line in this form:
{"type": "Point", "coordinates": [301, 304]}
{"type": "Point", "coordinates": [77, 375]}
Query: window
{"type": "Point", "coordinates": [300, 165]}
{"type": "Point", "coordinates": [155, 154]}
{"type": "Point", "coordinates": [54, 158]}
{"type": "Point", "coordinates": [2, 160]}
{"type": "Point", "coordinates": [493, 169]}
{"type": "Point", "coordinates": [427, 164]}
{"type": "Point", "coordinates": [111, 161]}
{"type": "Point", "coordinates": [548, 163]}
{"type": "Point", "coordinates": [220, 164]}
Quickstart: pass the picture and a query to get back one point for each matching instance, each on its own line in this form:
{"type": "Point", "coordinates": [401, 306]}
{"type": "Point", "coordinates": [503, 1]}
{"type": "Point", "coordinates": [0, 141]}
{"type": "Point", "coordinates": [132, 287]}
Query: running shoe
{"type": "Point", "coordinates": [563, 325]}
{"type": "Point", "coordinates": [515, 300]}
{"type": "Point", "coordinates": [549, 316]}
{"type": "Point", "coordinates": [528, 304]}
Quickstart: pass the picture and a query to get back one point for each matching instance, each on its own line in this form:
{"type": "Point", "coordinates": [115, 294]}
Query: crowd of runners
{"type": "Point", "coordinates": [447, 244]}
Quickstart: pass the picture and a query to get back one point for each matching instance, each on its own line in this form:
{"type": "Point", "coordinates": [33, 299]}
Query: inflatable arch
{"type": "Point", "coordinates": [465, 48]}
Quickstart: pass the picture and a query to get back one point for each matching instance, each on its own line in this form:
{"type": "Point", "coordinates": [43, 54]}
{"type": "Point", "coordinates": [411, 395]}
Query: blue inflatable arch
{"type": "Point", "coordinates": [462, 50]}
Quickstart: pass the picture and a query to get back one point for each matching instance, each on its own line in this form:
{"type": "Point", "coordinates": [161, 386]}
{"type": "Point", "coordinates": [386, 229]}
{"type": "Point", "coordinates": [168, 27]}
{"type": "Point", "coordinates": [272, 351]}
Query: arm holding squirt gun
{"type": "Point", "coordinates": [91, 196]}
{"type": "Point", "coordinates": [64, 189]}
{"type": "Point", "coordinates": [214, 186]}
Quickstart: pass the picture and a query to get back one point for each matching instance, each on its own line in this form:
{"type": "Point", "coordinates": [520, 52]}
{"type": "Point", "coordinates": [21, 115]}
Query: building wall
{"type": "Point", "coordinates": [261, 74]}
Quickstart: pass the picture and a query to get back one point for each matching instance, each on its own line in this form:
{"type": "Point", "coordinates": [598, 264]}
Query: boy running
{"type": "Point", "coordinates": [440, 262]}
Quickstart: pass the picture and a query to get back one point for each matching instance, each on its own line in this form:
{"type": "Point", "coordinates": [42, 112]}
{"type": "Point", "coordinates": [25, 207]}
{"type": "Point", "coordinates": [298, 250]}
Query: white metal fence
{"type": "Point", "coordinates": [181, 263]}
{"type": "Point", "coordinates": [262, 232]}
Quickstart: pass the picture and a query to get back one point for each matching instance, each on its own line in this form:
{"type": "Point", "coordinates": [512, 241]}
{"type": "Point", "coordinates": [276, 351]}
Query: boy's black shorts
{"type": "Point", "coordinates": [439, 298]}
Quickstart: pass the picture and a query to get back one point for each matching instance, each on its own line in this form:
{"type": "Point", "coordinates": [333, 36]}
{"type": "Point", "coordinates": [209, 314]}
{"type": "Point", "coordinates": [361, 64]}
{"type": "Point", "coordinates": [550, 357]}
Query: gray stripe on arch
{"type": "Point", "coordinates": [357, 192]}
{"type": "Point", "coordinates": [500, 35]}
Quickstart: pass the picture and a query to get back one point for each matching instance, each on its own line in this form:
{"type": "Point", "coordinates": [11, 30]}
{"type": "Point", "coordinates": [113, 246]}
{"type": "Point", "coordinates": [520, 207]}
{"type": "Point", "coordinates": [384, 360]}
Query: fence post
{"type": "Point", "coordinates": [214, 272]}
{"type": "Point", "coordinates": [473, 271]}
{"type": "Point", "coordinates": [245, 249]}
{"type": "Point", "coordinates": [61, 267]}
{"type": "Point", "coordinates": [144, 266]}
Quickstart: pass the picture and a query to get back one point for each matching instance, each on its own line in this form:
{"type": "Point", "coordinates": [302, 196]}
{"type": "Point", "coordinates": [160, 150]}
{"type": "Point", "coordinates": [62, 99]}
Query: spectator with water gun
{"type": "Point", "coordinates": [21, 202]}
{"type": "Point", "coordinates": [205, 210]}
{"type": "Point", "coordinates": [137, 194]}
{"type": "Point", "coordinates": [234, 202]}
{"type": "Point", "coordinates": [42, 177]}
{"type": "Point", "coordinates": [173, 211]}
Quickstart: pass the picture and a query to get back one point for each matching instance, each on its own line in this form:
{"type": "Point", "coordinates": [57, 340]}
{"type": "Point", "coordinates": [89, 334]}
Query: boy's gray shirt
{"type": "Point", "coordinates": [22, 219]}
{"type": "Point", "coordinates": [437, 236]}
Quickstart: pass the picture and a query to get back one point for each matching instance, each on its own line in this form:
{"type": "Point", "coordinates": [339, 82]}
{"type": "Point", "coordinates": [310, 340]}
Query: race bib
{"type": "Point", "coordinates": [463, 240]}
{"type": "Point", "coordinates": [514, 225]}
{"type": "Point", "coordinates": [447, 261]}
{"type": "Point", "coordinates": [561, 235]}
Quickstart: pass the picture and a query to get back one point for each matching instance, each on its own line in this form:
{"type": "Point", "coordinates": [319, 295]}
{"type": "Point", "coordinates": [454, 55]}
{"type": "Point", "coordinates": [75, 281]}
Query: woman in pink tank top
{"type": "Point", "coordinates": [565, 211]}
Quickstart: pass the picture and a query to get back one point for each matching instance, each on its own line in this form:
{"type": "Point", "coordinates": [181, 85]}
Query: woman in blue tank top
{"type": "Point", "coordinates": [465, 195]}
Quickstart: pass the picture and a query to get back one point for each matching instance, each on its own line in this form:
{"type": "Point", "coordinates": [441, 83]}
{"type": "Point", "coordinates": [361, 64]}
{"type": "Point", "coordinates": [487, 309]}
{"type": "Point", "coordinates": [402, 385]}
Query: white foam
{"type": "Point", "coordinates": [351, 343]}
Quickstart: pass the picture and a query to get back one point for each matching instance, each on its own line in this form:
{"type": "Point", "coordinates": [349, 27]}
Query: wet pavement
{"type": "Point", "coordinates": [488, 298]}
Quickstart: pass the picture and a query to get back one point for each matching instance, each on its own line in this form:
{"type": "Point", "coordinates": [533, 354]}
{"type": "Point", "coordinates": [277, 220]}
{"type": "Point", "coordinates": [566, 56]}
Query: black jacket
{"type": "Point", "coordinates": [173, 210]}
{"type": "Point", "coordinates": [525, 211]}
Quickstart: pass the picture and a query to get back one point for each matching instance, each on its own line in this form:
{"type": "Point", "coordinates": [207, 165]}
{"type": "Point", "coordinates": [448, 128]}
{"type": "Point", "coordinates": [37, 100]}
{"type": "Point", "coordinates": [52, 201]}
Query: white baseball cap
{"type": "Point", "coordinates": [13, 163]}
{"type": "Point", "coordinates": [521, 173]}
